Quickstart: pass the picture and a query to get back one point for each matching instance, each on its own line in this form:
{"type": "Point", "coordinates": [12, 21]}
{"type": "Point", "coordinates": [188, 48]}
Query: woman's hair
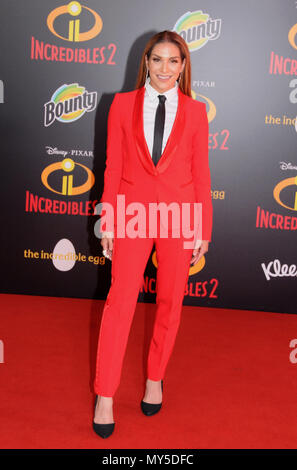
{"type": "Point", "coordinates": [167, 36]}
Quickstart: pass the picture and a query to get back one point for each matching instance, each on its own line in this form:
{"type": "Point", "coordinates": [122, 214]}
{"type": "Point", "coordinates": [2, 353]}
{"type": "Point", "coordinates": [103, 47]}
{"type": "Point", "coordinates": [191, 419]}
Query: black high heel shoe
{"type": "Point", "coordinates": [150, 409]}
{"type": "Point", "coordinates": [103, 430]}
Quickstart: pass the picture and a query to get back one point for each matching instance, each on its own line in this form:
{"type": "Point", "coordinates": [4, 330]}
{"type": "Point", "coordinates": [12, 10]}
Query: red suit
{"type": "Point", "coordinates": [181, 175]}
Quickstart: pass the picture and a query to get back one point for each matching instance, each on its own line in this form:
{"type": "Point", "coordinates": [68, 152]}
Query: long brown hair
{"type": "Point", "coordinates": [167, 36]}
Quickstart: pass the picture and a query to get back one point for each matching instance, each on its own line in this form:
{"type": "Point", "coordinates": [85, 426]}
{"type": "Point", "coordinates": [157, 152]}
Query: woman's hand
{"type": "Point", "coordinates": [199, 252]}
{"type": "Point", "coordinates": [107, 246]}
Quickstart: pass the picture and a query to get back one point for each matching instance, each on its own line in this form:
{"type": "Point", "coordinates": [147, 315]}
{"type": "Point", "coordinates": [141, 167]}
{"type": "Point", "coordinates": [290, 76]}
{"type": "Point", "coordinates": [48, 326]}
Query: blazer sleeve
{"type": "Point", "coordinates": [113, 165]}
{"type": "Point", "coordinates": [201, 172]}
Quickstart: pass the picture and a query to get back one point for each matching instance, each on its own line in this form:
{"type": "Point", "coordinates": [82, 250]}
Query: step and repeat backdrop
{"type": "Point", "coordinates": [62, 63]}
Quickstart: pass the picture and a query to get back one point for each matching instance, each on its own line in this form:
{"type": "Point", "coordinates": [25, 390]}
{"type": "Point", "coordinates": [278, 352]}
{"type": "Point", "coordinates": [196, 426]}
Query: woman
{"type": "Point", "coordinates": [157, 152]}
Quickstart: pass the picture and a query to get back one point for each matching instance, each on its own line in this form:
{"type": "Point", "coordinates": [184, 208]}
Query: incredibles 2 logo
{"type": "Point", "coordinates": [197, 28]}
{"type": "Point", "coordinates": [69, 103]}
{"type": "Point", "coordinates": [194, 288]}
{"type": "Point", "coordinates": [217, 140]}
{"type": "Point", "coordinates": [279, 64]}
{"type": "Point", "coordinates": [74, 24]}
{"type": "Point", "coordinates": [285, 194]}
{"type": "Point", "coordinates": [59, 178]}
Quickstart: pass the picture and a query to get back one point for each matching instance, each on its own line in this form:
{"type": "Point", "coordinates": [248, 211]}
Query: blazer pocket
{"type": "Point", "coordinates": [186, 184]}
{"type": "Point", "coordinates": [127, 181]}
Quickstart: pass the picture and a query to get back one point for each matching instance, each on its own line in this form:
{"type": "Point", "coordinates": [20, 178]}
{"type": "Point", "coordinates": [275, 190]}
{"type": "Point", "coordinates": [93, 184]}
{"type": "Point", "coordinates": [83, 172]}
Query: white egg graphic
{"type": "Point", "coordinates": [64, 255]}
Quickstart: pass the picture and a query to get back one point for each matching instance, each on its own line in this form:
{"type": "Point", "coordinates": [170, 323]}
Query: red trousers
{"type": "Point", "coordinates": [129, 261]}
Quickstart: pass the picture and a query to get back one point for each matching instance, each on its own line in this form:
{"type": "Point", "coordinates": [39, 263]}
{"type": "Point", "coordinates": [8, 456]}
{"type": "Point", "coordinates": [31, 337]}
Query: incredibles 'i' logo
{"type": "Point", "coordinates": [283, 185]}
{"type": "Point", "coordinates": [212, 110]}
{"type": "Point", "coordinates": [292, 36]}
{"type": "Point", "coordinates": [192, 270]}
{"type": "Point", "coordinates": [67, 189]}
{"type": "Point", "coordinates": [74, 34]}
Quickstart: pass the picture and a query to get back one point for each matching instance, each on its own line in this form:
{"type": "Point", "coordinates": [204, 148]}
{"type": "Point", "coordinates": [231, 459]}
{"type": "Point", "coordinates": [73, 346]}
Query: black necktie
{"type": "Point", "coordinates": [159, 129]}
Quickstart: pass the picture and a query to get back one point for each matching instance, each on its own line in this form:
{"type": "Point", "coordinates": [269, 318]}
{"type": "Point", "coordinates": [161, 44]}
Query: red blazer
{"type": "Point", "coordinates": [182, 173]}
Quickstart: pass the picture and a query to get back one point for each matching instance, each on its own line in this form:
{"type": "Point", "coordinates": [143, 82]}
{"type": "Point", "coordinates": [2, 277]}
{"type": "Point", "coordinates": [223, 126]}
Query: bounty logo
{"type": "Point", "coordinates": [69, 103]}
{"type": "Point", "coordinates": [197, 28]}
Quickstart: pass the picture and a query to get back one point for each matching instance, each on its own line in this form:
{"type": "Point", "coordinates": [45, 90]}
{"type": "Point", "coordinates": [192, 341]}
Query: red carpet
{"type": "Point", "coordinates": [229, 382]}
